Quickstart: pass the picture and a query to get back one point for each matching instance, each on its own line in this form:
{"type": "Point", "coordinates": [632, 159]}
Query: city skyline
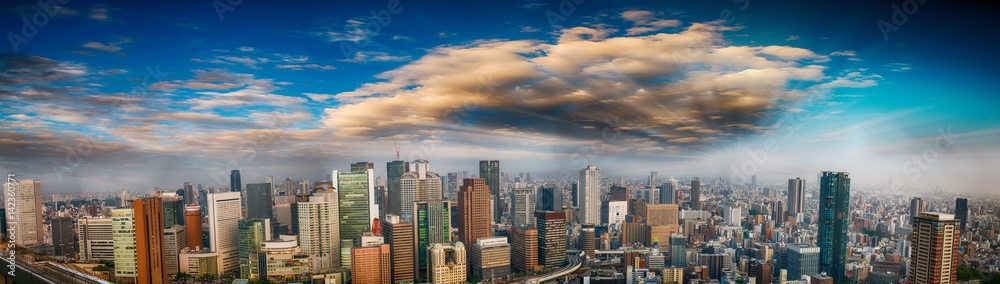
{"type": "Point", "coordinates": [203, 95]}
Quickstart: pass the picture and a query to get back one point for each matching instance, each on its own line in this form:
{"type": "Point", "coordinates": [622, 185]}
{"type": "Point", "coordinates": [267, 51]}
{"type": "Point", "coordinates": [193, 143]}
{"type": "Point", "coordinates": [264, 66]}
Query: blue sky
{"type": "Point", "coordinates": [123, 94]}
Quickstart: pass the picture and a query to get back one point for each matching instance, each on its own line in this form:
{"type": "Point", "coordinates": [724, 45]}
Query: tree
{"type": "Point", "coordinates": [964, 273]}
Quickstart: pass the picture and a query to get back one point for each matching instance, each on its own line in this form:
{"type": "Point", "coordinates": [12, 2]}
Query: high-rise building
{"type": "Point", "coordinates": [668, 192]}
{"type": "Point", "coordinates": [252, 232]}
{"type": "Point", "coordinates": [695, 194]}
{"type": "Point", "coordinates": [549, 198]}
{"type": "Point", "coordinates": [96, 239]}
{"type": "Point", "coordinates": [590, 191]}
{"type": "Point", "coordinates": [473, 210]}
{"type": "Point", "coordinates": [260, 203]}
{"type": "Point", "coordinates": [362, 167]}
{"type": "Point", "coordinates": [189, 192]}
{"type": "Point", "coordinates": [149, 245]}
{"type": "Point", "coordinates": [916, 207]}
{"type": "Point", "coordinates": [224, 213]}
{"type": "Point", "coordinates": [173, 210]}
{"type": "Point", "coordinates": [662, 214]}
{"type": "Point", "coordinates": [399, 235]}
{"type": "Point", "coordinates": [654, 177]}
{"type": "Point", "coordinates": [123, 224]}
{"type": "Point", "coordinates": [446, 263]}
{"type": "Point", "coordinates": [834, 215]}
{"type": "Point", "coordinates": [371, 263]}
{"type": "Point", "coordinates": [678, 254]}
{"type": "Point", "coordinates": [551, 238]}
{"type": "Point", "coordinates": [453, 184]}
{"type": "Point", "coordinates": [802, 260]}
{"type": "Point", "coordinates": [574, 195]}
{"type": "Point", "coordinates": [234, 181]}
{"type": "Point", "coordinates": [962, 213]}
{"type": "Point", "coordinates": [27, 213]}
{"type": "Point", "coordinates": [192, 227]}
{"type": "Point", "coordinates": [588, 239]}
{"type": "Point", "coordinates": [523, 207]}
{"type": "Point", "coordinates": [761, 270]}
{"type": "Point", "coordinates": [278, 260]}
{"type": "Point", "coordinates": [524, 249]}
{"type": "Point", "coordinates": [432, 224]}
{"type": "Point", "coordinates": [420, 184]}
{"type": "Point", "coordinates": [356, 192]}
{"type": "Point", "coordinates": [174, 240]}
{"type": "Point", "coordinates": [319, 228]}
{"type": "Point", "coordinates": [796, 196]}
{"type": "Point", "coordinates": [63, 237]}
{"type": "Point", "coordinates": [936, 238]}
{"type": "Point", "coordinates": [489, 258]}
{"type": "Point", "coordinates": [490, 171]}
{"type": "Point", "coordinates": [395, 171]}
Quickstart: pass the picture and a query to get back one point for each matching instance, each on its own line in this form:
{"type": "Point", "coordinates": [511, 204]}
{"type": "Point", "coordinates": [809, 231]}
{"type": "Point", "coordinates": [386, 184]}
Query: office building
{"type": "Point", "coordinates": [371, 263]}
{"type": "Point", "coordinates": [936, 238]}
{"type": "Point", "coordinates": [235, 184]}
{"type": "Point", "coordinates": [198, 262]}
{"type": "Point", "coordinates": [796, 196]}
{"type": "Point", "coordinates": [63, 237]}
{"type": "Point", "coordinates": [173, 210]}
{"type": "Point", "coordinates": [260, 203]}
{"type": "Point", "coordinates": [489, 258]}
{"type": "Point", "coordinates": [27, 213]}
{"type": "Point", "coordinates": [447, 263]}
{"type": "Point", "coordinates": [318, 228]}
{"type": "Point", "coordinates": [356, 195]}
{"type": "Point", "coordinates": [549, 199]}
{"type": "Point", "coordinates": [962, 213]}
{"type": "Point", "coordinates": [394, 172]}
{"type": "Point", "coordinates": [588, 240]}
{"type": "Point", "coordinates": [490, 171]}
{"type": "Point", "coordinates": [695, 194]}
{"type": "Point", "coordinates": [96, 239]}
{"type": "Point", "coordinates": [678, 251]}
{"type": "Point", "coordinates": [399, 235]}
{"type": "Point", "coordinates": [524, 249]}
{"type": "Point", "coordinates": [551, 238]}
{"type": "Point", "coordinates": [174, 240]}
{"type": "Point", "coordinates": [418, 185]}
{"type": "Point", "coordinates": [192, 227]}
{"type": "Point", "coordinates": [802, 260]}
{"type": "Point", "coordinates": [761, 270]}
{"type": "Point", "coordinates": [252, 232]}
{"type": "Point", "coordinates": [617, 210]}
{"type": "Point", "coordinates": [280, 260]}
{"type": "Point", "coordinates": [224, 213]}
{"type": "Point", "coordinates": [473, 210]}
{"type": "Point", "coordinates": [123, 224]}
{"type": "Point", "coordinates": [589, 195]}
{"type": "Point", "coordinates": [662, 214]}
{"type": "Point", "coordinates": [523, 209]}
{"type": "Point", "coordinates": [432, 224]}
{"type": "Point", "coordinates": [668, 192]}
{"type": "Point", "coordinates": [916, 207]}
{"type": "Point", "coordinates": [834, 217]}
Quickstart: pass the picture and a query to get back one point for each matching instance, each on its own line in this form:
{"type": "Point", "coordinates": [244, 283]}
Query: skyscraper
{"type": "Point", "coordinates": [149, 245]}
{"type": "Point", "coordinates": [524, 248]}
{"type": "Point", "coordinates": [589, 191]}
{"type": "Point", "coordinates": [796, 196]}
{"type": "Point", "coordinates": [234, 181]}
{"type": "Point", "coordinates": [549, 198]}
{"type": "Point", "coordinates": [174, 240]}
{"type": "Point", "coordinates": [916, 207]}
{"type": "Point", "coordinates": [192, 227]}
{"type": "Point", "coordinates": [189, 192]}
{"type": "Point", "coordinates": [668, 192]}
{"type": "Point", "coordinates": [431, 224]}
{"type": "Point", "coordinates": [761, 270]}
{"type": "Point", "coordinates": [421, 184]}
{"type": "Point", "coordinates": [63, 236]}
{"type": "Point", "coordinates": [473, 209]}
{"type": "Point", "coordinates": [695, 194]}
{"type": "Point", "coordinates": [356, 193]}
{"type": "Point", "coordinates": [446, 263]}
{"type": "Point", "coordinates": [399, 235]}
{"type": "Point", "coordinates": [834, 215]}
{"type": "Point", "coordinates": [372, 262]}
{"type": "Point", "coordinates": [96, 239]}
{"type": "Point", "coordinates": [394, 171]}
{"type": "Point", "coordinates": [252, 232]}
{"type": "Point", "coordinates": [27, 218]}
{"type": "Point", "coordinates": [489, 258]}
{"type": "Point", "coordinates": [490, 171]}
{"type": "Point", "coordinates": [936, 238]}
{"type": "Point", "coordinates": [962, 213]}
{"type": "Point", "coordinates": [224, 213]}
{"type": "Point", "coordinates": [319, 228]}
{"type": "Point", "coordinates": [259, 201]}
{"type": "Point", "coordinates": [173, 210]}
{"type": "Point", "coordinates": [362, 167]}
{"type": "Point", "coordinates": [588, 239]}
{"type": "Point", "coordinates": [123, 224]}
{"type": "Point", "coordinates": [678, 254]}
{"type": "Point", "coordinates": [453, 184]}
{"type": "Point", "coordinates": [523, 207]}
{"type": "Point", "coordinates": [551, 238]}
{"type": "Point", "coordinates": [654, 177]}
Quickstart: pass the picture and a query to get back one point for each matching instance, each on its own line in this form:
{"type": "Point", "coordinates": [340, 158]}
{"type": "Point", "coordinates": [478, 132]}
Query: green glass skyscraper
{"type": "Point", "coordinates": [432, 224]}
{"type": "Point", "coordinates": [354, 194]}
{"type": "Point", "coordinates": [490, 170]}
{"type": "Point", "coordinates": [834, 215]}
{"type": "Point", "coordinates": [251, 232]}
{"type": "Point", "coordinates": [394, 171]}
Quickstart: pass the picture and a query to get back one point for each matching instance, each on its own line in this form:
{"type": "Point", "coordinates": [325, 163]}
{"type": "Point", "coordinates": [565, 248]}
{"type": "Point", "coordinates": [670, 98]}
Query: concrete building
{"type": "Point", "coordinates": [174, 240]}
{"type": "Point", "coordinates": [199, 262]}
{"type": "Point", "coordinates": [489, 258]}
{"type": "Point", "coordinates": [802, 260]}
{"type": "Point", "coordinates": [589, 199]}
{"type": "Point", "coordinates": [551, 238]}
{"type": "Point", "coordinates": [192, 227]}
{"type": "Point", "coordinates": [399, 235]}
{"type": "Point", "coordinates": [224, 212]}
{"type": "Point", "coordinates": [523, 207]}
{"type": "Point", "coordinates": [936, 238]}
{"type": "Point", "coordinates": [447, 263]}
{"type": "Point", "coordinates": [524, 249]}
{"type": "Point", "coordinates": [474, 210]}
{"type": "Point", "coordinates": [371, 263]}
{"type": "Point", "coordinates": [280, 260]}
{"type": "Point", "coordinates": [96, 239]}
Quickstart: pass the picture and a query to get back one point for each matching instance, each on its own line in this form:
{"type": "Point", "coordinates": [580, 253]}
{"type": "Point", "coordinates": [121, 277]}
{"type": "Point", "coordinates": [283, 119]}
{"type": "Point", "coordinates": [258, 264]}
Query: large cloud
{"type": "Point", "coordinates": [686, 88]}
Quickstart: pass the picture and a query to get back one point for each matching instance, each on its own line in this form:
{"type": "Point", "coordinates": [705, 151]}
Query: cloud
{"type": "Point", "coordinates": [375, 56]}
{"type": "Point", "coordinates": [114, 46]}
{"type": "Point", "coordinates": [20, 69]}
{"type": "Point", "coordinates": [99, 13]}
{"type": "Point", "coordinates": [645, 21]}
{"type": "Point", "coordinates": [320, 98]}
{"type": "Point", "coordinates": [661, 90]}
{"type": "Point", "coordinates": [353, 30]}
{"type": "Point", "coordinates": [792, 38]}
{"type": "Point", "coordinates": [530, 29]}
{"type": "Point", "coordinates": [898, 67]}
{"type": "Point", "coordinates": [246, 49]}
{"type": "Point", "coordinates": [848, 53]}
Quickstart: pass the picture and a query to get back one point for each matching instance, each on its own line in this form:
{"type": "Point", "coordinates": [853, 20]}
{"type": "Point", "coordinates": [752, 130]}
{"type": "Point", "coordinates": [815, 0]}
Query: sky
{"type": "Point", "coordinates": [111, 95]}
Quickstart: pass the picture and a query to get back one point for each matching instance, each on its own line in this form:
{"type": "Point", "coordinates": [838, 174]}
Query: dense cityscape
{"type": "Point", "coordinates": [513, 142]}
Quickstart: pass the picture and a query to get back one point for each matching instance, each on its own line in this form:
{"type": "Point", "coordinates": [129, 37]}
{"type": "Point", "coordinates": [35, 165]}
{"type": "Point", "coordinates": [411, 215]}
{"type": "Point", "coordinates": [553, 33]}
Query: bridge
{"type": "Point", "coordinates": [574, 260]}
